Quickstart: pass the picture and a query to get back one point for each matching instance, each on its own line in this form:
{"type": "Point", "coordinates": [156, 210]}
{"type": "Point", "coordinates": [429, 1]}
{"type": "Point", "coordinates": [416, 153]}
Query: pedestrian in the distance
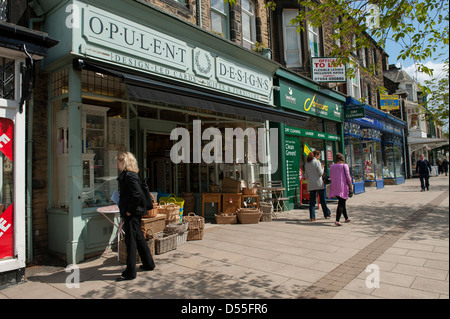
{"type": "Point", "coordinates": [341, 183]}
{"type": "Point", "coordinates": [440, 170]}
{"type": "Point", "coordinates": [314, 172]}
{"type": "Point", "coordinates": [445, 166]}
{"type": "Point", "coordinates": [423, 167]}
{"type": "Point", "coordinates": [131, 211]}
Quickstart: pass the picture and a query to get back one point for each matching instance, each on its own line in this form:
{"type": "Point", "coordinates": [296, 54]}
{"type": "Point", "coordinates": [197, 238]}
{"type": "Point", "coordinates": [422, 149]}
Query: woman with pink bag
{"type": "Point", "coordinates": [341, 185]}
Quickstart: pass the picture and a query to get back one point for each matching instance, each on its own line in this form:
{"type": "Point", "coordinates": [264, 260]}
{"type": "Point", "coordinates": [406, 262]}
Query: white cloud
{"type": "Point", "coordinates": [420, 76]}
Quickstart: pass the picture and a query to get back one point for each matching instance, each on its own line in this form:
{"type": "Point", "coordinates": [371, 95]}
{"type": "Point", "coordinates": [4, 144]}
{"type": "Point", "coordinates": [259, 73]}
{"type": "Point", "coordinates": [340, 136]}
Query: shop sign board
{"type": "Point", "coordinates": [389, 102]}
{"type": "Point", "coordinates": [295, 131]}
{"type": "Point", "coordinates": [117, 40]}
{"type": "Point", "coordinates": [327, 70]}
{"type": "Point", "coordinates": [308, 101]}
{"type": "Point", "coordinates": [292, 158]}
{"type": "Point", "coordinates": [354, 113]}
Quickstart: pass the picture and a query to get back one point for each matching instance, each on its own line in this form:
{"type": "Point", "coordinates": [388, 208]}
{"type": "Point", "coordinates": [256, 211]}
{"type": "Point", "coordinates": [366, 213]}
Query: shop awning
{"type": "Point", "coordinates": [416, 143]}
{"type": "Point", "coordinates": [166, 91]}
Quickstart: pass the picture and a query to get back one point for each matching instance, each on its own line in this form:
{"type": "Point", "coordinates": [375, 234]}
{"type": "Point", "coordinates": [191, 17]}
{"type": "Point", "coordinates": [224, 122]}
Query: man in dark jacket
{"type": "Point", "coordinates": [445, 165]}
{"type": "Point", "coordinates": [423, 167]}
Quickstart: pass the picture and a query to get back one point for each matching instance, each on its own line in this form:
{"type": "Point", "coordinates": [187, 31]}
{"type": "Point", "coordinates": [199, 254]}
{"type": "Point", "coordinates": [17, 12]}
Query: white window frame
{"type": "Point", "coordinates": [314, 31]}
{"type": "Point", "coordinates": [248, 42]}
{"type": "Point", "coordinates": [285, 26]}
{"type": "Point", "coordinates": [354, 83]}
{"type": "Point", "coordinates": [225, 18]}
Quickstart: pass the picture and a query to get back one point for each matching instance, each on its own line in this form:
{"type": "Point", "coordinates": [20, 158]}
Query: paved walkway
{"type": "Point", "coordinates": [402, 233]}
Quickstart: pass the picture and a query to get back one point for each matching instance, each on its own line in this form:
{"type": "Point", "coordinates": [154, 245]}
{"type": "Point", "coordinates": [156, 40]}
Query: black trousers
{"type": "Point", "coordinates": [341, 209]}
{"type": "Point", "coordinates": [134, 239]}
{"type": "Point", "coordinates": [424, 181]}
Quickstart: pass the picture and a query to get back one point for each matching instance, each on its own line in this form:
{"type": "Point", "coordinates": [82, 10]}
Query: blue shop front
{"type": "Point", "coordinates": [374, 146]}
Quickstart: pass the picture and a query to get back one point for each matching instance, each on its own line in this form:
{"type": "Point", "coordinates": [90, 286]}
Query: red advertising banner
{"type": "Point", "coordinates": [6, 137]}
{"type": "Point", "coordinates": [7, 232]}
{"type": "Point", "coordinates": [6, 215]}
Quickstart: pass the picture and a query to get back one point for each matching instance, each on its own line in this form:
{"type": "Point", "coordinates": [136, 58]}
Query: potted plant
{"type": "Point", "coordinates": [262, 49]}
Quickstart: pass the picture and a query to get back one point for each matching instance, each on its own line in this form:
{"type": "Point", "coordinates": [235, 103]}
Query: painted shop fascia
{"type": "Point", "coordinates": [135, 38]}
{"type": "Point", "coordinates": [130, 41]}
{"type": "Point", "coordinates": [302, 95]}
{"type": "Point", "coordinates": [379, 140]}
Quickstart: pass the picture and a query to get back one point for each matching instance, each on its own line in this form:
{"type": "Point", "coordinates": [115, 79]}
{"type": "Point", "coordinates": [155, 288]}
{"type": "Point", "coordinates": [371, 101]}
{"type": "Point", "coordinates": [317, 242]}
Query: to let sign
{"type": "Point", "coordinates": [354, 113]}
{"type": "Point", "coordinates": [327, 70]}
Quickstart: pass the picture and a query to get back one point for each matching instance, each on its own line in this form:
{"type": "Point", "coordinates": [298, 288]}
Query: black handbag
{"type": "Point", "coordinates": [326, 179]}
{"type": "Point", "coordinates": [350, 192]}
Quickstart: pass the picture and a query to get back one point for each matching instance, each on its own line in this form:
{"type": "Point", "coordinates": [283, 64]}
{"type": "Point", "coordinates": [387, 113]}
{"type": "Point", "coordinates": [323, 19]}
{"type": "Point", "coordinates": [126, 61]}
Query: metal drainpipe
{"type": "Point", "coordinates": [200, 14]}
{"type": "Point", "coordinates": [29, 183]}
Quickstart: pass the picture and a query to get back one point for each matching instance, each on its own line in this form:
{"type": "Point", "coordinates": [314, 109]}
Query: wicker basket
{"type": "Point", "coordinates": [195, 221]}
{"type": "Point", "coordinates": [196, 226]}
{"type": "Point", "coordinates": [165, 242]}
{"type": "Point", "coordinates": [226, 219]}
{"type": "Point", "coordinates": [266, 208]}
{"type": "Point", "coordinates": [181, 238]}
{"type": "Point", "coordinates": [156, 224]}
{"type": "Point", "coordinates": [152, 212]}
{"type": "Point", "coordinates": [177, 228]}
{"type": "Point", "coordinates": [149, 237]}
{"type": "Point", "coordinates": [249, 215]}
{"type": "Point", "coordinates": [266, 217]}
{"type": "Point", "coordinates": [249, 191]}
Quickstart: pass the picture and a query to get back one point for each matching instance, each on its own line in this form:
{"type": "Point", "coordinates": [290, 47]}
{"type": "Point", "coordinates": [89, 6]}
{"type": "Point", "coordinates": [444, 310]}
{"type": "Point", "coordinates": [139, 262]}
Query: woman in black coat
{"type": "Point", "coordinates": [131, 209]}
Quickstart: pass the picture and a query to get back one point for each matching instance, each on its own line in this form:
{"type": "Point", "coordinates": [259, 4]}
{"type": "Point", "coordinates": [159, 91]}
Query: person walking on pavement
{"type": "Point", "coordinates": [423, 167]}
{"type": "Point", "coordinates": [131, 210]}
{"type": "Point", "coordinates": [341, 183]}
{"type": "Point", "coordinates": [314, 172]}
{"type": "Point", "coordinates": [445, 166]}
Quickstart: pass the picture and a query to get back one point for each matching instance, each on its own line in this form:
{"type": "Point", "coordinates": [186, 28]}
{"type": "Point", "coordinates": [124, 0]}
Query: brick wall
{"type": "Point", "coordinates": [40, 184]}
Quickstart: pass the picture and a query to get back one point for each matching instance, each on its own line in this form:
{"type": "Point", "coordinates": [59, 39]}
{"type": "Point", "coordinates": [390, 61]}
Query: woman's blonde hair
{"type": "Point", "coordinates": [129, 162]}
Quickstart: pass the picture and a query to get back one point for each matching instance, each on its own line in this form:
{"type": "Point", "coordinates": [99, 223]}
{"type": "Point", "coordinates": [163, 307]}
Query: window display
{"type": "Point", "coordinates": [388, 161]}
{"type": "Point", "coordinates": [378, 160]}
{"type": "Point", "coordinates": [356, 160]}
{"type": "Point", "coordinates": [398, 158]}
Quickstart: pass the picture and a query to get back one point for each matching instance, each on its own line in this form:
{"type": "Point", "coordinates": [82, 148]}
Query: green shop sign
{"type": "Point", "coordinates": [354, 113]}
{"type": "Point", "coordinates": [308, 101]}
{"type": "Point", "coordinates": [295, 131]}
{"type": "Point", "coordinates": [292, 158]}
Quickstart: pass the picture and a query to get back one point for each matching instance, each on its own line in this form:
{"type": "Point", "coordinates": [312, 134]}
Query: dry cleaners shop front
{"type": "Point", "coordinates": [124, 80]}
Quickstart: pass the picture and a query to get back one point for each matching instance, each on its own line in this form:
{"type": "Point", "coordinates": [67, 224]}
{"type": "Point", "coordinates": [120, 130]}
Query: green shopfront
{"type": "Point", "coordinates": [322, 131]}
{"type": "Point", "coordinates": [123, 77]}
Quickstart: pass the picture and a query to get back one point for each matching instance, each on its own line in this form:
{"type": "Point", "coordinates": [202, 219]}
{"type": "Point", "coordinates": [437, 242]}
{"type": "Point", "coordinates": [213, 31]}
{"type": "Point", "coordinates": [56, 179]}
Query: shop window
{"type": "Point", "coordinates": [388, 162]}
{"type": "Point", "coordinates": [332, 127]}
{"type": "Point", "coordinates": [219, 17]}
{"type": "Point", "coordinates": [398, 159]}
{"type": "Point", "coordinates": [7, 76]}
{"type": "Point", "coordinates": [6, 188]}
{"type": "Point", "coordinates": [291, 39]}
{"type": "Point", "coordinates": [378, 160]}
{"type": "Point", "coordinates": [314, 40]}
{"type": "Point", "coordinates": [354, 158]}
{"type": "Point", "coordinates": [314, 124]}
{"type": "Point", "coordinates": [248, 23]}
{"type": "Point", "coordinates": [60, 82]}
{"type": "Point", "coordinates": [102, 84]}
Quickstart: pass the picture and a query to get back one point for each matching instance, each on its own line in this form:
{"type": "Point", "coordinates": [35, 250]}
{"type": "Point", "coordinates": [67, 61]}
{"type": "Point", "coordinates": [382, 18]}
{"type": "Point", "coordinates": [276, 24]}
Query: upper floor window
{"type": "Point", "coordinates": [409, 89]}
{"type": "Point", "coordinates": [354, 83]}
{"type": "Point", "coordinates": [374, 61]}
{"type": "Point", "coordinates": [314, 40]}
{"type": "Point", "coordinates": [291, 39]}
{"type": "Point", "coordinates": [219, 17]}
{"type": "Point", "coordinates": [248, 23]}
{"type": "Point", "coordinates": [336, 31]}
{"type": "Point", "coordinates": [7, 76]}
{"type": "Point", "coordinates": [3, 10]}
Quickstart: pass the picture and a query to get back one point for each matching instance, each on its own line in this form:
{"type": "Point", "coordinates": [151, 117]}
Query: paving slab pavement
{"type": "Point", "coordinates": [395, 247]}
